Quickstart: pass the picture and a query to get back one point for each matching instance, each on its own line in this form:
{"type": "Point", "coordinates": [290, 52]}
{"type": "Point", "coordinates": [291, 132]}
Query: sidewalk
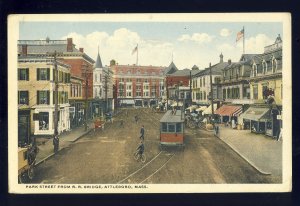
{"type": "Point", "coordinates": [65, 139]}
{"type": "Point", "coordinates": [262, 152]}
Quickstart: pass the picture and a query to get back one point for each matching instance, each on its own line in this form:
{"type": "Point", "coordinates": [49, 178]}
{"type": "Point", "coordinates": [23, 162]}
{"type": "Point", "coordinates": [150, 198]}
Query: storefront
{"type": "Point", "coordinates": [257, 119]}
{"type": "Point", "coordinates": [228, 113]}
{"type": "Point", "coordinates": [24, 127]}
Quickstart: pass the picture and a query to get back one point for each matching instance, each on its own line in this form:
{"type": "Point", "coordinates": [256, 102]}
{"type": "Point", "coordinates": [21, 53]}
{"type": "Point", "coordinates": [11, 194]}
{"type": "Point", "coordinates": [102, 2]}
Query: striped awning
{"type": "Point", "coordinates": [229, 110]}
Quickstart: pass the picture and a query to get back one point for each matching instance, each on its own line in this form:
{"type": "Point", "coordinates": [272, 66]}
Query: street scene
{"type": "Point", "coordinates": [173, 103]}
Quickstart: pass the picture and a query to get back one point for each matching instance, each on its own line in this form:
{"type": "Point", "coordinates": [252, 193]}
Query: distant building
{"type": "Point", "coordinates": [103, 88]}
{"type": "Point", "coordinates": [135, 83]}
{"type": "Point", "coordinates": [201, 85]}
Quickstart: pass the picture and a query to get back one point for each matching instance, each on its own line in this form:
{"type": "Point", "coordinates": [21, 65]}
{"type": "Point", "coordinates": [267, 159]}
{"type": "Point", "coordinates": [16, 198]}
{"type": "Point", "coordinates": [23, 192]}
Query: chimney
{"type": "Point", "coordinates": [229, 61]}
{"type": "Point", "coordinates": [24, 50]}
{"type": "Point", "coordinates": [221, 58]}
{"type": "Point", "coordinates": [81, 50]}
{"type": "Point", "coordinates": [69, 44]}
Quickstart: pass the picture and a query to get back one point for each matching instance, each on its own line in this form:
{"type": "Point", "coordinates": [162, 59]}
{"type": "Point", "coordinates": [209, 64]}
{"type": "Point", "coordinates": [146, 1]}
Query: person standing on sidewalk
{"type": "Point", "coordinates": [142, 132]}
{"type": "Point", "coordinates": [56, 143]}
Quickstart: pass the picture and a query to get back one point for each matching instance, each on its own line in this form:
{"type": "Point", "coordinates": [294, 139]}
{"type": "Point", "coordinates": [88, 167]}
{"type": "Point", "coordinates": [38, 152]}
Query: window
{"type": "Point", "coordinates": [178, 127]}
{"type": "Point", "coordinates": [265, 91]}
{"type": "Point", "coordinates": [43, 120]}
{"type": "Point", "coordinates": [224, 93]}
{"type": "Point", "coordinates": [138, 94]}
{"type": "Point", "coordinates": [145, 80]}
{"type": "Point", "coordinates": [23, 97]}
{"type": "Point", "coordinates": [43, 97]}
{"type": "Point", "coordinates": [171, 127]}
{"type": "Point", "coordinates": [204, 81]}
{"type": "Point", "coordinates": [164, 127]}
{"type": "Point", "coordinates": [274, 65]}
{"type": "Point", "coordinates": [254, 70]}
{"type": "Point", "coordinates": [197, 96]}
{"type": "Point", "coordinates": [204, 95]}
{"type": "Point", "coordinates": [23, 74]}
{"type": "Point", "coordinates": [128, 80]}
{"type": "Point", "coordinates": [255, 92]}
{"type": "Point", "coordinates": [200, 82]}
{"type": "Point", "coordinates": [228, 94]}
{"type": "Point", "coordinates": [44, 74]}
{"type": "Point", "coordinates": [138, 80]}
{"type": "Point", "coordinates": [264, 66]}
{"type": "Point", "coordinates": [96, 80]}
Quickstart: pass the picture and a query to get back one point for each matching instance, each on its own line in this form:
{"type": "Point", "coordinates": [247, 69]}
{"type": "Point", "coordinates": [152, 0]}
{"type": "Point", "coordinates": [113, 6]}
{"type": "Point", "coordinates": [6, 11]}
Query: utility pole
{"type": "Point", "coordinates": [55, 77]}
{"type": "Point", "coordinates": [211, 90]}
{"type": "Point", "coordinates": [85, 66]}
{"type": "Point", "coordinates": [191, 87]}
{"type": "Point", "coordinates": [106, 78]}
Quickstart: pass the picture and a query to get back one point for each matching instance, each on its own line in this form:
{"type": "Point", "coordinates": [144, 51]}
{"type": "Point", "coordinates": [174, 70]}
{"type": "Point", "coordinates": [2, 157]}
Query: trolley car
{"type": "Point", "coordinates": [172, 129]}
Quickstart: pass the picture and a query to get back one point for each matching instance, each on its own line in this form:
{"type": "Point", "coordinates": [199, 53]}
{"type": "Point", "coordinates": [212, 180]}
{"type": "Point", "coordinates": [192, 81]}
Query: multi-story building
{"type": "Point", "coordinates": [264, 115]}
{"type": "Point", "coordinates": [75, 100]}
{"type": "Point", "coordinates": [135, 83]}
{"type": "Point", "coordinates": [178, 83]}
{"type": "Point", "coordinates": [201, 85]}
{"type": "Point", "coordinates": [36, 96]}
{"type": "Point", "coordinates": [81, 65]}
{"type": "Point", "coordinates": [103, 88]}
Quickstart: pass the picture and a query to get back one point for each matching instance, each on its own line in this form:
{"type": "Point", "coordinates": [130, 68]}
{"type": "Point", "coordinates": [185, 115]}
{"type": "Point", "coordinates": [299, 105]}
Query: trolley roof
{"type": "Point", "coordinates": [169, 117]}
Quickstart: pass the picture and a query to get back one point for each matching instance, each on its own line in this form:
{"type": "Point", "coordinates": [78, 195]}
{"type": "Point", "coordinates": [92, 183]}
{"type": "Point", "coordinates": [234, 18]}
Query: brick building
{"type": "Point", "coordinates": [137, 84]}
{"type": "Point", "coordinates": [81, 66]}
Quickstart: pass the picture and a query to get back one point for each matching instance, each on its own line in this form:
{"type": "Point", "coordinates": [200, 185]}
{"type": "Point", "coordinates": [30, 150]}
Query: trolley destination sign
{"type": "Point", "coordinates": [115, 105]}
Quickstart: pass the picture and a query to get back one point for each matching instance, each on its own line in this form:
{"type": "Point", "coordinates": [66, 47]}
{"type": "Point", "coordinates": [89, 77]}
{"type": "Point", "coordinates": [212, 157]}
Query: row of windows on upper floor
{"type": "Point", "coordinates": [138, 72]}
{"type": "Point", "coordinates": [141, 80]}
{"type": "Point", "coordinates": [43, 74]}
{"type": "Point", "coordinates": [138, 87]}
{"type": "Point", "coordinates": [42, 97]}
{"type": "Point", "coordinates": [270, 67]}
{"type": "Point", "coordinates": [202, 81]}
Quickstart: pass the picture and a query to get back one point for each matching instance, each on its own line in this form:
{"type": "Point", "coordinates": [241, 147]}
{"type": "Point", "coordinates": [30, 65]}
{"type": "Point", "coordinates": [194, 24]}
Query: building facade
{"type": "Point", "coordinates": [137, 85]}
{"type": "Point", "coordinates": [36, 96]}
{"type": "Point", "coordinates": [81, 66]}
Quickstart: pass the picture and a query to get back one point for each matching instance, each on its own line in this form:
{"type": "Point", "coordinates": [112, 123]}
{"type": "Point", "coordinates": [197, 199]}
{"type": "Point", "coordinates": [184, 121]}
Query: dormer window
{"type": "Point", "coordinates": [264, 66]}
{"type": "Point", "coordinates": [274, 65]}
{"type": "Point", "coordinates": [254, 70]}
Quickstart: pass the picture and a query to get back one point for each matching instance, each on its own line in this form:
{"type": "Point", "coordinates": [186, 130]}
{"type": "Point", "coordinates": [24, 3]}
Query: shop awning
{"type": "Point", "coordinates": [256, 114]}
{"type": "Point", "coordinates": [191, 108]}
{"type": "Point", "coordinates": [175, 104]}
{"type": "Point", "coordinates": [200, 109]}
{"type": "Point", "coordinates": [229, 110]}
{"type": "Point", "coordinates": [208, 109]}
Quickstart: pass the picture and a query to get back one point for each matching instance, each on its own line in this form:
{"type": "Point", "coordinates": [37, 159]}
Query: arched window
{"type": "Point", "coordinates": [264, 66]}
{"type": "Point", "coordinates": [274, 65]}
{"type": "Point", "coordinates": [254, 70]}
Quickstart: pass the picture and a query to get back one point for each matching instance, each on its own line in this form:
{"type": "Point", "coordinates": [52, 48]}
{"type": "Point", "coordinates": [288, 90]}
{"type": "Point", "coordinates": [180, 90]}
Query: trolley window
{"type": "Point", "coordinates": [178, 127]}
{"type": "Point", "coordinates": [164, 127]}
{"type": "Point", "coordinates": [171, 127]}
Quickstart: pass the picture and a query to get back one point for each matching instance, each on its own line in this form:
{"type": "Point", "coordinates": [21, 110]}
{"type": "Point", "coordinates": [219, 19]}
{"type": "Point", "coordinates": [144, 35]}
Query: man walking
{"type": "Point", "coordinates": [56, 143]}
{"type": "Point", "coordinates": [142, 132]}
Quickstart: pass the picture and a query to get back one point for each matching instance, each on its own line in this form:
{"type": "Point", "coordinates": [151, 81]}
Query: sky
{"type": "Point", "coordinates": [187, 43]}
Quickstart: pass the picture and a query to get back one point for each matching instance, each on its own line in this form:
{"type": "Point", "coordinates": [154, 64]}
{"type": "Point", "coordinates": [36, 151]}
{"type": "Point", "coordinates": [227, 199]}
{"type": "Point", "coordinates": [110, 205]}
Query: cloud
{"type": "Point", "coordinates": [225, 32]}
{"type": "Point", "coordinates": [119, 46]}
{"type": "Point", "coordinates": [199, 38]}
{"type": "Point", "coordinates": [256, 44]}
{"type": "Point", "coordinates": [225, 47]}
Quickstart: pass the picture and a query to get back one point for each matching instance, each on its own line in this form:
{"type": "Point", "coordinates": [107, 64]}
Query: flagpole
{"type": "Point", "coordinates": [243, 40]}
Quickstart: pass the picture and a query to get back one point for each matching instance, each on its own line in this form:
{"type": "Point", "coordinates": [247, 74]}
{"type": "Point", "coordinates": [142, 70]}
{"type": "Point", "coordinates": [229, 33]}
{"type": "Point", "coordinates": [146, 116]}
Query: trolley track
{"type": "Point", "coordinates": [149, 169]}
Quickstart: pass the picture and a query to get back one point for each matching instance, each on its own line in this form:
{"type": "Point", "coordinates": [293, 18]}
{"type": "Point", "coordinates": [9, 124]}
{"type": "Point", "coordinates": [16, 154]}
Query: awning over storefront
{"type": "Point", "coordinates": [191, 108]}
{"type": "Point", "coordinates": [208, 109]}
{"type": "Point", "coordinates": [229, 110]}
{"type": "Point", "coordinates": [127, 101]}
{"type": "Point", "coordinates": [256, 114]}
{"type": "Point", "coordinates": [175, 104]}
{"type": "Point", "coordinates": [200, 109]}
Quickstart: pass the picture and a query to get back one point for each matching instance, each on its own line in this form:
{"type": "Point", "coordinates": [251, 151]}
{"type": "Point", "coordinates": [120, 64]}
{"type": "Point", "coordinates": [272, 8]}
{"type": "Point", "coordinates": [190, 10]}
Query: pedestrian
{"type": "Point", "coordinates": [142, 132]}
{"type": "Point", "coordinates": [56, 143]}
{"type": "Point", "coordinates": [122, 123]}
{"type": "Point", "coordinates": [136, 119]}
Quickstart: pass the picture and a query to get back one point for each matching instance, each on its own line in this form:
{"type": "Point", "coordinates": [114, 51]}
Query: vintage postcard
{"type": "Point", "coordinates": [150, 103]}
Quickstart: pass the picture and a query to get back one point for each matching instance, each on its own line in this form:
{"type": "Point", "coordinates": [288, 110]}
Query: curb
{"type": "Point", "coordinates": [245, 158]}
{"type": "Point", "coordinates": [52, 154]}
